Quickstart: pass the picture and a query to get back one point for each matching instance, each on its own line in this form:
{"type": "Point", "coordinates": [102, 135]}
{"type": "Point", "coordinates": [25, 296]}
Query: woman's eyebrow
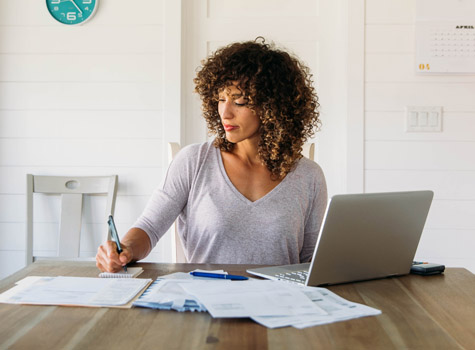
{"type": "Point", "coordinates": [237, 95]}
{"type": "Point", "coordinates": [234, 95]}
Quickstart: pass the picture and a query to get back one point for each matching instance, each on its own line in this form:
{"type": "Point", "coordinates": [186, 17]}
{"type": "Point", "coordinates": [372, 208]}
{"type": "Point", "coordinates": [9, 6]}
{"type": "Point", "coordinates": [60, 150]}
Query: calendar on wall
{"type": "Point", "coordinates": [445, 36]}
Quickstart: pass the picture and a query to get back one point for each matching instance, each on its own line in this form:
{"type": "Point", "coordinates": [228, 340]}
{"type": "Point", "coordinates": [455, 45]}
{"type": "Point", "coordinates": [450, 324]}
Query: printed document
{"type": "Point", "coordinates": [337, 308]}
{"type": "Point", "coordinates": [252, 298]}
{"type": "Point", "coordinates": [75, 291]}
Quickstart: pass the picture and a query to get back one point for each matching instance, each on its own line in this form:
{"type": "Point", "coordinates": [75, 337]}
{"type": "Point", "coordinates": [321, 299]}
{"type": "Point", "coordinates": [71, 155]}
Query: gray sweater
{"type": "Point", "coordinates": [217, 224]}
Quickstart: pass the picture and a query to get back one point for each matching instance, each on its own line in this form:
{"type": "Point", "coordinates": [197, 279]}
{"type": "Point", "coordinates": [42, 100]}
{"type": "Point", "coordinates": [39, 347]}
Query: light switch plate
{"type": "Point", "coordinates": [423, 119]}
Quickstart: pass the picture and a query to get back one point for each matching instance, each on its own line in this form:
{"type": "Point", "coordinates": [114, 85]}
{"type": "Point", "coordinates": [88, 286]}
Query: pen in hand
{"type": "Point", "coordinates": [115, 237]}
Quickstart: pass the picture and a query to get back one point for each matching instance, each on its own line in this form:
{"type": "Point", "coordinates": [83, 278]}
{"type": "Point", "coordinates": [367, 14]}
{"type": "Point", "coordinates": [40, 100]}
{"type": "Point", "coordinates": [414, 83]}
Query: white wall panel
{"type": "Point", "coordinates": [456, 126]}
{"type": "Point", "coordinates": [446, 184]}
{"type": "Point", "coordinates": [79, 152]}
{"type": "Point", "coordinates": [124, 124]}
{"type": "Point", "coordinates": [81, 96]}
{"type": "Point", "coordinates": [391, 38]}
{"type": "Point", "coordinates": [390, 12]}
{"type": "Point", "coordinates": [59, 39]}
{"type": "Point", "coordinates": [390, 96]}
{"type": "Point", "coordinates": [263, 8]}
{"type": "Point", "coordinates": [420, 155]}
{"type": "Point", "coordinates": [443, 244]}
{"type": "Point", "coordinates": [11, 261]}
{"type": "Point", "coordinates": [12, 236]}
{"type": "Point", "coordinates": [451, 215]}
{"type": "Point", "coordinates": [87, 67]}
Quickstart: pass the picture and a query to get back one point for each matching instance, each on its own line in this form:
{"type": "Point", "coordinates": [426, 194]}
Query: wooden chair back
{"type": "Point", "coordinates": [71, 189]}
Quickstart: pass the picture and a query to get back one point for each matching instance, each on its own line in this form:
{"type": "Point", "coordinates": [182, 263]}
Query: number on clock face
{"type": "Point", "coordinates": [71, 11]}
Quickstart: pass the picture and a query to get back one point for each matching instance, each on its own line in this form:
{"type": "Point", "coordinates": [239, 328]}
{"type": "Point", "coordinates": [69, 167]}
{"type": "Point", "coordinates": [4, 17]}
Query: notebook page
{"type": "Point", "coordinates": [131, 273]}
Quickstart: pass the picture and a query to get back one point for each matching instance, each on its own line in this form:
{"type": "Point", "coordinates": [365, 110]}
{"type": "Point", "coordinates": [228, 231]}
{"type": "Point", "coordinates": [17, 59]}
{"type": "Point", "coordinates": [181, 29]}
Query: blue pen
{"type": "Point", "coordinates": [218, 275]}
{"type": "Point", "coordinates": [115, 236]}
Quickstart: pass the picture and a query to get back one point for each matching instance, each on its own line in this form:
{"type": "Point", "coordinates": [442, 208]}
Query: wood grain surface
{"type": "Point", "coordinates": [433, 312]}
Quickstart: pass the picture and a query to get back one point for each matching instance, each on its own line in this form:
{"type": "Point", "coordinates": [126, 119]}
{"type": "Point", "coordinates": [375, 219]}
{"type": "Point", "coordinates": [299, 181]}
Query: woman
{"type": "Point", "coordinates": [248, 196]}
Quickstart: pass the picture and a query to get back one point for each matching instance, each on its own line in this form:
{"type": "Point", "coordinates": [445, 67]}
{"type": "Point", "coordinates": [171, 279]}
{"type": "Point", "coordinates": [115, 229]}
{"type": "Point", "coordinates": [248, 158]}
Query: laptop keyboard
{"type": "Point", "coordinates": [293, 276]}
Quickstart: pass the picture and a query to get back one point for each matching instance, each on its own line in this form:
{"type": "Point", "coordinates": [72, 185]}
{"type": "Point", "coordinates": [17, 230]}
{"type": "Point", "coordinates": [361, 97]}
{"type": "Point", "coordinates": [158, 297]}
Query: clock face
{"type": "Point", "coordinates": [71, 11]}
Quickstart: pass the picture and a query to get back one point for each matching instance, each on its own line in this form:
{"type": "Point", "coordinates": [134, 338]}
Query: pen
{"type": "Point", "coordinates": [115, 236]}
{"type": "Point", "coordinates": [218, 275]}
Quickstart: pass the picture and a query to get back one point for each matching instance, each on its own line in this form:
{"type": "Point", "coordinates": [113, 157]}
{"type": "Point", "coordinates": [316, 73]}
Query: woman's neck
{"type": "Point", "coordinates": [247, 151]}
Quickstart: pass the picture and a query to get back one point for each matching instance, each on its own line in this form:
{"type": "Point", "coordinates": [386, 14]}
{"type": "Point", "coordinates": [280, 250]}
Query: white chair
{"type": "Point", "coordinates": [309, 150]}
{"type": "Point", "coordinates": [71, 189]}
{"type": "Point", "coordinates": [177, 246]}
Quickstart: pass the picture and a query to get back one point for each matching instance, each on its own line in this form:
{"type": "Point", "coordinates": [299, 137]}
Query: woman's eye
{"type": "Point", "coordinates": [241, 102]}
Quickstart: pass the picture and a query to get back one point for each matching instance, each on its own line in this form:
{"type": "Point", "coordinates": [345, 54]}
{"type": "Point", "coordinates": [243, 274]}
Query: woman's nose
{"type": "Point", "coordinates": [225, 108]}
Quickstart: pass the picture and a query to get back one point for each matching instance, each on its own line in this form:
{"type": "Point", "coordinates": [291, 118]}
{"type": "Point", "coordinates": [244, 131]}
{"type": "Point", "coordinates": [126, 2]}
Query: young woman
{"type": "Point", "coordinates": [248, 196]}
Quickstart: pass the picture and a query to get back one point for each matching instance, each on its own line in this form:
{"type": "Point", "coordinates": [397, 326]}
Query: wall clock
{"type": "Point", "coordinates": [71, 12]}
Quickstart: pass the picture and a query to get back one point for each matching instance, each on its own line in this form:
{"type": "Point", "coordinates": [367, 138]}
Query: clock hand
{"type": "Point", "coordinates": [76, 6]}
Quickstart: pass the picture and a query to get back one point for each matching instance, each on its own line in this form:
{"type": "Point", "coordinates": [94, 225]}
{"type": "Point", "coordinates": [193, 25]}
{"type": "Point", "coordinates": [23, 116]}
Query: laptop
{"type": "Point", "coordinates": [362, 237]}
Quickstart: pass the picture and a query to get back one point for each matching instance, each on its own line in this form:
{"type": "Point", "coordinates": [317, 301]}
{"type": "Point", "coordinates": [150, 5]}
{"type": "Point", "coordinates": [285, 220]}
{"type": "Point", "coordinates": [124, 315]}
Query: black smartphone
{"type": "Point", "coordinates": [426, 269]}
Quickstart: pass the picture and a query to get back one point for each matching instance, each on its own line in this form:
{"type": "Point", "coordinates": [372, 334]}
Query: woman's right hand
{"type": "Point", "coordinates": [108, 260]}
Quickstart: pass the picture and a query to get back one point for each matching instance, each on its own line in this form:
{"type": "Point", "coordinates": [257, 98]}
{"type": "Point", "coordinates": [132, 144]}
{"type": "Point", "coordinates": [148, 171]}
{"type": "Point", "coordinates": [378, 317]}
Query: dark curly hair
{"type": "Point", "coordinates": [279, 89]}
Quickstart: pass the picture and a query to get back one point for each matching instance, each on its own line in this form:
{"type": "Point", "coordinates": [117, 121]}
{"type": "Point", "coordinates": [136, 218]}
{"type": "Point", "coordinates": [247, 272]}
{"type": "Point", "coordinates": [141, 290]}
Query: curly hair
{"type": "Point", "coordinates": [279, 89]}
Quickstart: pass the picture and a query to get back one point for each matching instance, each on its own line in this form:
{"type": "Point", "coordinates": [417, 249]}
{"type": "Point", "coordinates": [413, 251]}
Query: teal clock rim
{"type": "Point", "coordinates": [96, 5]}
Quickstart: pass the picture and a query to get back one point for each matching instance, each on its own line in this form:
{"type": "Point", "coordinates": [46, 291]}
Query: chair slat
{"type": "Point", "coordinates": [70, 227]}
{"type": "Point", "coordinates": [308, 151]}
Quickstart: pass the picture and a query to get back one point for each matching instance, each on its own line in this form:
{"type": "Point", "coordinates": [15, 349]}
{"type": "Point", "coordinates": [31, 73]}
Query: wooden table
{"type": "Point", "coordinates": [436, 312]}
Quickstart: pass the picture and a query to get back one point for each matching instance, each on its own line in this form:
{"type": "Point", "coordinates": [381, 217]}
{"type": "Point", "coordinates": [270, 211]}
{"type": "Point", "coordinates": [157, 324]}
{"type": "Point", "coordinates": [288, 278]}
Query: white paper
{"type": "Point", "coordinates": [84, 291]}
{"type": "Point", "coordinates": [251, 298]}
{"type": "Point", "coordinates": [337, 308]}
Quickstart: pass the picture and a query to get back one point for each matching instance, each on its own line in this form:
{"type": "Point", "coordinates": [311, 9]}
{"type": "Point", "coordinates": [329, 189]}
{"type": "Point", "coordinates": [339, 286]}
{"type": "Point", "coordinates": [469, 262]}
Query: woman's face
{"type": "Point", "coordinates": [239, 121]}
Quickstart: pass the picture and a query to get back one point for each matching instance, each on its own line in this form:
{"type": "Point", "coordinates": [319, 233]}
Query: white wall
{"type": "Point", "coordinates": [396, 160]}
{"type": "Point", "coordinates": [85, 100]}
{"type": "Point", "coordinates": [105, 97]}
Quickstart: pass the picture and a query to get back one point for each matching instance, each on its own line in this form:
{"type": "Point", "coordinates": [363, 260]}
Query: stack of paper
{"type": "Point", "coordinates": [75, 291]}
{"type": "Point", "coordinates": [336, 308]}
{"type": "Point", "coordinates": [270, 303]}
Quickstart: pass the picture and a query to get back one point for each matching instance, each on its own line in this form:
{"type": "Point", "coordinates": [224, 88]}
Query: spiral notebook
{"type": "Point", "coordinates": [131, 273]}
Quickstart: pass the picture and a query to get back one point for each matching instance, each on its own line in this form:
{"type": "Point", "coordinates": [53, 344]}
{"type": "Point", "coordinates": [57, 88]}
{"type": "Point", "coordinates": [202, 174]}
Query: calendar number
{"type": "Point", "coordinates": [424, 66]}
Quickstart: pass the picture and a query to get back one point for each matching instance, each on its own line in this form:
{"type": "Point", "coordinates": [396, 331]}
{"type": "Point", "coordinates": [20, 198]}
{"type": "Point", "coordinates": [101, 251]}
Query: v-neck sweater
{"type": "Point", "coordinates": [217, 224]}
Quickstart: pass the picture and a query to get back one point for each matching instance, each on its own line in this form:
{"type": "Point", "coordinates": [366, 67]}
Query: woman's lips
{"type": "Point", "coordinates": [229, 127]}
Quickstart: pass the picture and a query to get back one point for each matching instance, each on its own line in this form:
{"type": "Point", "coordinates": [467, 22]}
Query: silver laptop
{"type": "Point", "coordinates": [363, 236]}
